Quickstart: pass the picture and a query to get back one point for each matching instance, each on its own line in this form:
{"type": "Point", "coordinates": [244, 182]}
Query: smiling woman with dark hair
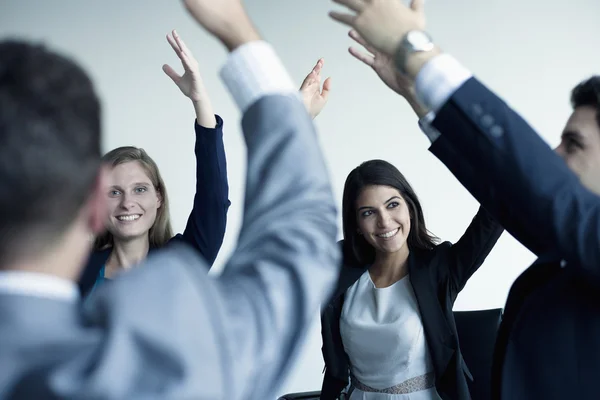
{"type": "Point", "coordinates": [389, 330]}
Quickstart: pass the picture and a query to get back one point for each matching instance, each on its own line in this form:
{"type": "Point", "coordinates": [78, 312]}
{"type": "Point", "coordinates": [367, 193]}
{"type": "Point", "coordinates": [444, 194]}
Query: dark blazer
{"type": "Point", "coordinates": [437, 276]}
{"type": "Point", "coordinates": [205, 227]}
{"type": "Point", "coordinates": [548, 344]}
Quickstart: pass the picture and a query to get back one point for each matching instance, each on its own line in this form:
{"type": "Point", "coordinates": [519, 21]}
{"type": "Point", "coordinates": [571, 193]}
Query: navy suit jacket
{"type": "Point", "coordinates": [206, 224]}
{"type": "Point", "coordinates": [548, 344]}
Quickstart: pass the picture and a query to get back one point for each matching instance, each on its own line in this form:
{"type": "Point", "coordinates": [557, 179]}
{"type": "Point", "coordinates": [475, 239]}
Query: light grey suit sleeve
{"type": "Point", "coordinates": [170, 331]}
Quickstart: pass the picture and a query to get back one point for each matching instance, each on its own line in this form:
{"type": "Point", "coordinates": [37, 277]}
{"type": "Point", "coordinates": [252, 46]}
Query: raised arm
{"type": "Point", "coordinates": [205, 228]}
{"type": "Point", "coordinates": [288, 259]}
{"type": "Point", "coordinates": [470, 251]}
{"type": "Point", "coordinates": [529, 188]}
{"type": "Point", "coordinates": [234, 336]}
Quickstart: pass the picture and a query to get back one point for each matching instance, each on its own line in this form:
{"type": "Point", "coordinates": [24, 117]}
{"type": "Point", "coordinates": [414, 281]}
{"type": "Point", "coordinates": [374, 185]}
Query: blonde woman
{"type": "Point", "coordinates": [138, 220]}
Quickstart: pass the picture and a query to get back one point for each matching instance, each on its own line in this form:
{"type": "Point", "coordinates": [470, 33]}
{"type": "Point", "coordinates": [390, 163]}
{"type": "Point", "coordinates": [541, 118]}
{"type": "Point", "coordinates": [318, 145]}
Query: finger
{"type": "Point", "coordinates": [354, 5]}
{"type": "Point", "coordinates": [309, 80]}
{"type": "Point", "coordinates": [318, 66]}
{"type": "Point", "coordinates": [326, 88]}
{"type": "Point", "coordinates": [365, 58]}
{"type": "Point", "coordinates": [346, 19]}
{"type": "Point", "coordinates": [313, 75]}
{"type": "Point", "coordinates": [316, 72]}
{"type": "Point", "coordinates": [173, 44]}
{"type": "Point", "coordinates": [181, 43]}
{"type": "Point", "coordinates": [418, 6]}
{"type": "Point", "coordinates": [171, 73]}
{"type": "Point", "coordinates": [359, 39]}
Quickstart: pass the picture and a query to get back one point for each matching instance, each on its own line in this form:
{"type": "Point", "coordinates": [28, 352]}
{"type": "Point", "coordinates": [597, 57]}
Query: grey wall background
{"type": "Point", "coordinates": [531, 52]}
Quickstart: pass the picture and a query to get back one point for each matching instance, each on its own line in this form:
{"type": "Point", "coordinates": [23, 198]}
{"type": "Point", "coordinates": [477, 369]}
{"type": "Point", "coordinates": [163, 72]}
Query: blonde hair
{"type": "Point", "coordinates": [160, 232]}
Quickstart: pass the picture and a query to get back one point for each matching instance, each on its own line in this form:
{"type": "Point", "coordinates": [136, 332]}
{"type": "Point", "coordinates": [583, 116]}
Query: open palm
{"type": "Point", "coordinates": [383, 65]}
{"type": "Point", "coordinates": [190, 83]}
{"type": "Point", "coordinates": [313, 96]}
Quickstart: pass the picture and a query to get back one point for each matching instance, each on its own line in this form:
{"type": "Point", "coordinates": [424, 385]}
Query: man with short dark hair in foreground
{"type": "Point", "coordinates": [166, 330]}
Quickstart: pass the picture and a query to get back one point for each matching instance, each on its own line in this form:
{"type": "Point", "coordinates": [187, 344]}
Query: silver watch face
{"type": "Point", "coordinates": [419, 41]}
{"type": "Point", "coordinates": [413, 41]}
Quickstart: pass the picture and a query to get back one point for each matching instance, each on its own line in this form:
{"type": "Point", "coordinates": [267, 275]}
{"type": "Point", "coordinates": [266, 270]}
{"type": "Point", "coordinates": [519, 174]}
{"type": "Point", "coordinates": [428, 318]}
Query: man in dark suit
{"type": "Point", "coordinates": [547, 346]}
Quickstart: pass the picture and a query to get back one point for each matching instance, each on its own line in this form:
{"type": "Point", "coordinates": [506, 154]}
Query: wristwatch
{"type": "Point", "coordinates": [412, 42]}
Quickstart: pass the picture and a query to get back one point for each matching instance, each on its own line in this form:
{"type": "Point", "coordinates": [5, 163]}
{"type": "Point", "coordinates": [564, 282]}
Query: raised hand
{"type": "Point", "coordinates": [313, 97]}
{"type": "Point", "coordinates": [384, 67]}
{"type": "Point", "coordinates": [382, 64]}
{"type": "Point", "coordinates": [227, 20]}
{"type": "Point", "coordinates": [382, 23]}
{"type": "Point", "coordinates": [190, 83]}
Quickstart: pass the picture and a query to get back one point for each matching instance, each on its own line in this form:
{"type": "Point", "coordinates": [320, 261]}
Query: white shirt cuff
{"type": "Point", "coordinates": [438, 80]}
{"type": "Point", "coordinates": [428, 129]}
{"type": "Point", "coordinates": [254, 70]}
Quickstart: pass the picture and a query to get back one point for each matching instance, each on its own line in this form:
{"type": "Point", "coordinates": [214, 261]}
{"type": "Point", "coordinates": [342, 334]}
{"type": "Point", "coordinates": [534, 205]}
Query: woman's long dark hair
{"type": "Point", "coordinates": [357, 250]}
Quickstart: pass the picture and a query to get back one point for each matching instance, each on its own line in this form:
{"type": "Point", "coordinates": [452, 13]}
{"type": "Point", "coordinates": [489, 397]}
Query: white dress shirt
{"type": "Point", "coordinates": [38, 285]}
{"type": "Point", "coordinates": [384, 338]}
{"type": "Point", "coordinates": [437, 81]}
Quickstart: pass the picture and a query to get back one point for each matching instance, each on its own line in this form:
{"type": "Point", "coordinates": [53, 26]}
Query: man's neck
{"type": "Point", "coordinates": [52, 273]}
{"type": "Point", "coordinates": [62, 260]}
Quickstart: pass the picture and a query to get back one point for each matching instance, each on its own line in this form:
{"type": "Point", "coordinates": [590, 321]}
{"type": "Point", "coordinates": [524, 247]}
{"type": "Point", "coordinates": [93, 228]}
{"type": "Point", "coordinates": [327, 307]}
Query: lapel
{"type": "Point", "coordinates": [440, 339]}
{"type": "Point", "coordinates": [348, 276]}
{"type": "Point", "coordinates": [348, 273]}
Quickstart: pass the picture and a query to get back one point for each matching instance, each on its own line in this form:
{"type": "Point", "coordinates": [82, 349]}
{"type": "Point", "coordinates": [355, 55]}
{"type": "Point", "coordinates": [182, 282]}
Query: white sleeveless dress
{"type": "Point", "coordinates": [383, 336]}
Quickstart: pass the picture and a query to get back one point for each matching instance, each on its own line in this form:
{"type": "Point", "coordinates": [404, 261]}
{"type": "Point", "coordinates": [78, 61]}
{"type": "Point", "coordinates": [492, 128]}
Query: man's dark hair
{"type": "Point", "coordinates": [49, 146]}
{"type": "Point", "coordinates": [587, 93]}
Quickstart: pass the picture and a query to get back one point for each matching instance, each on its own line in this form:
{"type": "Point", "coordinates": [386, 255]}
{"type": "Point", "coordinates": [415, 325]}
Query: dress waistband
{"type": "Point", "coordinates": [411, 385]}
